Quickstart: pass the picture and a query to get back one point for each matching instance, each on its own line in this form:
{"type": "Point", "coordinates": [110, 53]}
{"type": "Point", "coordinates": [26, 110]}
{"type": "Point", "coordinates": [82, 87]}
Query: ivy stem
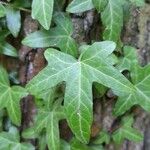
{"type": "Point", "coordinates": [20, 8]}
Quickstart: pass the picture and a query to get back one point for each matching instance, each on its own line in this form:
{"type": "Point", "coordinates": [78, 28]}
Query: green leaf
{"type": "Point", "coordinates": [130, 58]}
{"type": "Point", "coordinates": [78, 6]}
{"type": "Point", "coordinates": [65, 145]}
{"type": "Point", "coordinates": [3, 34]}
{"type": "Point", "coordinates": [2, 10]}
{"type": "Point", "coordinates": [138, 3]}
{"type": "Point", "coordinates": [127, 132]}
{"type": "Point", "coordinates": [10, 141]}
{"type": "Point", "coordinates": [13, 19]}
{"type": "Point", "coordinates": [140, 77]}
{"type": "Point", "coordinates": [100, 4]}
{"type": "Point", "coordinates": [7, 49]}
{"type": "Point", "coordinates": [48, 119]}
{"type": "Point", "coordinates": [77, 145]}
{"type": "Point", "coordinates": [42, 11]}
{"type": "Point", "coordinates": [103, 137]}
{"type": "Point", "coordinates": [112, 18]}
{"type": "Point", "coordinates": [12, 96]}
{"type": "Point", "coordinates": [59, 36]}
{"type": "Point", "coordinates": [93, 65]}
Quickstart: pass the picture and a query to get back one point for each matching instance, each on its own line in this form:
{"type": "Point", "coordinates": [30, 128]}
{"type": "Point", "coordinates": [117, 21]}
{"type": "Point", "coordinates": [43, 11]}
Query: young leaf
{"type": "Point", "coordinates": [7, 49]}
{"type": "Point", "coordinates": [48, 119]}
{"type": "Point", "coordinates": [2, 10]}
{"type": "Point", "coordinates": [112, 18]}
{"type": "Point", "coordinates": [10, 97]}
{"type": "Point", "coordinates": [42, 11]}
{"type": "Point", "coordinates": [78, 6]}
{"type": "Point", "coordinates": [103, 137]}
{"type": "Point", "coordinates": [92, 66]}
{"type": "Point", "coordinates": [59, 36]}
{"type": "Point", "coordinates": [100, 4]}
{"type": "Point", "coordinates": [10, 141]}
{"type": "Point", "coordinates": [13, 19]}
{"type": "Point", "coordinates": [127, 132]}
{"type": "Point", "coordinates": [130, 58]}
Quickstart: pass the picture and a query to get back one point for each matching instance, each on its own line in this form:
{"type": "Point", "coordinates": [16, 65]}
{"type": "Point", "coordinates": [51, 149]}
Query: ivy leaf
{"type": "Point", "coordinates": [77, 145]}
{"type": "Point", "coordinates": [112, 18]}
{"type": "Point", "coordinates": [13, 19]}
{"type": "Point", "coordinates": [78, 6]}
{"type": "Point", "coordinates": [127, 132]}
{"type": "Point", "coordinates": [12, 96]}
{"type": "Point", "coordinates": [10, 141]}
{"type": "Point", "coordinates": [48, 119]}
{"type": "Point", "coordinates": [140, 77]}
{"type": "Point", "coordinates": [42, 11]}
{"type": "Point", "coordinates": [2, 10]}
{"type": "Point", "coordinates": [93, 65]}
{"type": "Point", "coordinates": [59, 36]}
{"type": "Point", "coordinates": [103, 137]}
{"type": "Point", "coordinates": [138, 3]}
{"type": "Point", "coordinates": [100, 4]}
{"type": "Point", "coordinates": [130, 58]}
{"type": "Point", "coordinates": [65, 145]}
{"type": "Point", "coordinates": [7, 49]}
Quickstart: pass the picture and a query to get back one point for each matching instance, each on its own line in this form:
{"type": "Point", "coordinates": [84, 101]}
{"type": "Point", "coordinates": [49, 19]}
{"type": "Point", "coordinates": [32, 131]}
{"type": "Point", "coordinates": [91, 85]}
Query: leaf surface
{"type": "Point", "coordinates": [42, 11]}
{"type": "Point", "coordinates": [13, 19]}
{"type": "Point", "coordinates": [9, 141]}
{"type": "Point", "coordinates": [48, 119]}
{"type": "Point", "coordinates": [10, 97]}
{"type": "Point", "coordinates": [2, 10]}
{"type": "Point", "coordinates": [140, 77]}
{"type": "Point", "coordinates": [79, 75]}
{"type": "Point", "coordinates": [59, 36]}
{"type": "Point", "coordinates": [112, 18]}
{"type": "Point", "coordinates": [78, 6]}
{"type": "Point", "coordinates": [100, 4]}
{"type": "Point", "coordinates": [127, 132]}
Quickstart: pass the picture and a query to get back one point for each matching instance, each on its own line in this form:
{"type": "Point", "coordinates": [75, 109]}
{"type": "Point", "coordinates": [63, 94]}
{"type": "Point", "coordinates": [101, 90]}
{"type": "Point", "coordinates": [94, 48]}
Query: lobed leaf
{"type": "Point", "coordinates": [42, 11]}
{"type": "Point", "coordinates": [127, 132]}
{"type": "Point", "coordinates": [60, 36]}
{"type": "Point", "coordinates": [79, 75]}
{"type": "Point", "coordinates": [12, 96]}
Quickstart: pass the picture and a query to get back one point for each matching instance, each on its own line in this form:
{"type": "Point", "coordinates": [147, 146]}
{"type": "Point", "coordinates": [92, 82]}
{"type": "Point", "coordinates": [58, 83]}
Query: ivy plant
{"type": "Point", "coordinates": [65, 88]}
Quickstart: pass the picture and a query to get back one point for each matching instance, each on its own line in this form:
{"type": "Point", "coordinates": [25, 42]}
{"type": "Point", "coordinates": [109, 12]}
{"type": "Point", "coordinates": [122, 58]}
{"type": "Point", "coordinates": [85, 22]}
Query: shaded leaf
{"type": "Point", "coordinates": [48, 119]}
{"type": "Point", "coordinates": [10, 141]}
{"type": "Point", "coordinates": [13, 19]}
{"type": "Point", "coordinates": [112, 18]}
{"type": "Point", "coordinates": [42, 11]}
{"type": "Point", "coordinates": [130, 58]}
{"type": "Point", "coordinates": [78, 6]}
{"type": "Point", "coordinates": [59, 36]}
{"type": "Point", "coordinates": [103, 137]}
{"type": "Point", "coordinates": [12, 96]}
{"type": "Point", "coordinates": [7, 49]}
{"type": "Point", "coordinates": [2, 10]}
{"type": "Point", "coordinates": [138, 3]}
{"type": "Point", "coordinates": [127, 132]}
{"type": "Point", "coordinates": [100, 4]}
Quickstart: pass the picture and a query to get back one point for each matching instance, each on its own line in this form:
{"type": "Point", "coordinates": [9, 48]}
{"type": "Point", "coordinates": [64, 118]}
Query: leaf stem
{"type": "Point", "coordinates": [20, 8]}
